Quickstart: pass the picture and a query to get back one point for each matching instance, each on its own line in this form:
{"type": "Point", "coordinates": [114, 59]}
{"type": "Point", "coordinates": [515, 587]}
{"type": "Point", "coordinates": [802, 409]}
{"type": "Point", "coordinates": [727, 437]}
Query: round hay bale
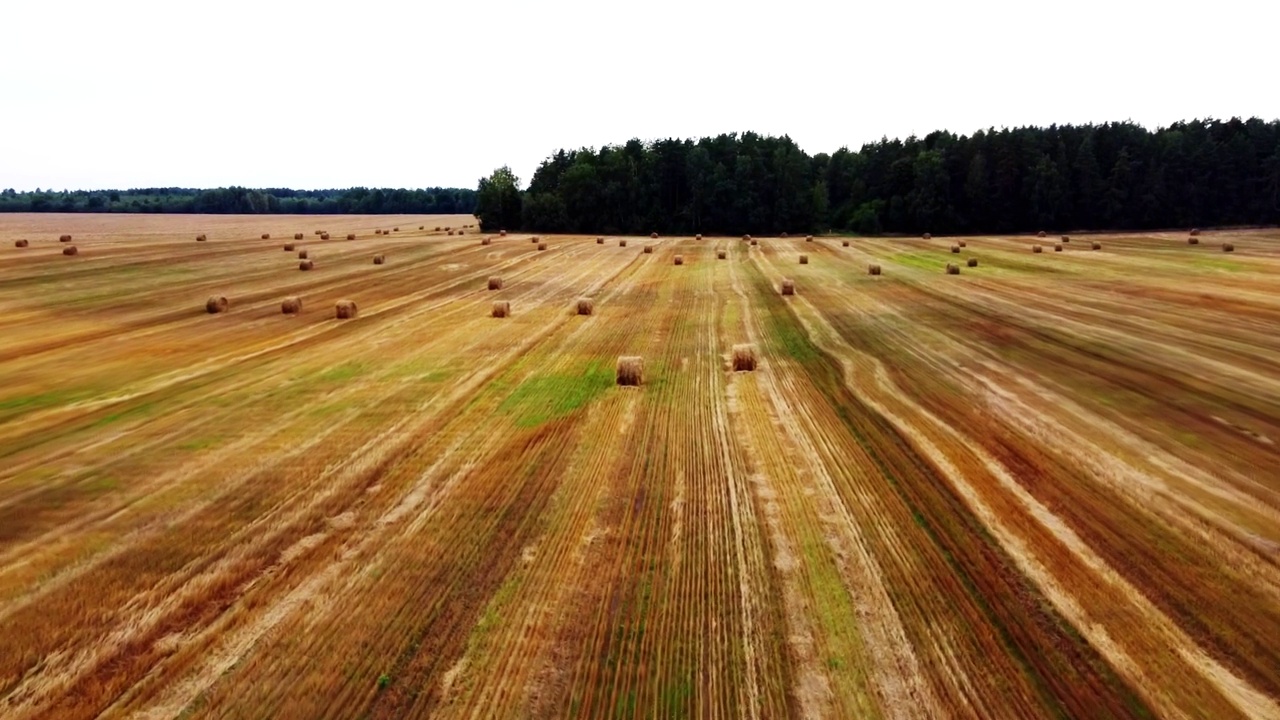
{"type": "Point", "coordinates": [201, 238]}
{"type": "Point", "coordinates": [1193, 241]}
{"type": "Point", "coordinates": [1041, 234]}
{"type": "Point", "coordinates": [1036, 249]}
{"type": "Point", "coordinates": [844, 243]}
{"type": "Point", "coordinates": [973, 262]}
{"type": "Point", "coordinates": [698, 236]}
{"type": "Point", "coordinates": [502, 233]}
{"type": "Point", "coordinates": [486, 241]}
{"type": "Point", "coordinates": [808, 238]}
{"type": "Point", "coordinates": [630, 370]}
{"type": "Point", "coordinates": [1228, 247]}
{"type": "Point", "coordinates": [266, 236]}
{"type": "Point", "coordinates": [297, 236]}
{"type": "Point", "coordinates": [927, 236]}
{"type": "Point", "coordinates": [345, 309]}
{"type": "Point", "coordinates": [70, 250]}
{"type": "Point", "coordinates": [306, 265]}
{"type": "Point", "coordinates": [648, 249]}
{"type": "Point", "coordinates": [302, 254]}
{"type": "Point", "coordinates": [437, 229]}
{"type": "Point", "coordinates": [599, 241]}
{"type": "Point", "coordinates": [953, 269]}
{"type": "Point", "coordinates": [622, 243]}
{"type": "Point", "coordinates": [1066, 238]}
{"type": "Point", "coordinates": [720, 254]}
{"type": "Point", "coordinates": [744, 357]}
{"type": "Point", "coordinates": [495, 282]}
{"type": "Point", "coordinates": [351, 236]}
{"type": "Point", "coordinates": [533, 239]}
{"type": "Point", "coordinates": [450, 233]}
{"type": "Point", "coordinates": [422, 227]}
{"type": "Point", "coordinates": [1195, 232]}
{"type": "Point", "coordinates": [542, 246]}
{"type": "Point", "coordinates": [788, 286]}
{"type": "Point", "coordinates": [446, 227]}
{"type": "Point", "coordinates": [501, 308]}
{"type": "Point", "coordinates": [288, 247]}
{"type": "Point", "coordinates": [679, 260]}
{"type": "Point", "coordinates": [753, 242]}
{"type": "Point", "coordinates": [804, 259]}
{"type": "Point", "coordinates": [461, 231]}
{"type": "Point", "coordinates": [216, 304]}
{"type": "Point", "coordinates": [873, 269]}
{"type": "Point", "coordinates": [784, 236]}
{"type": "Point", "coordinates": [1057, 247]}
{"type": "Point", "coordinates": [377, 231]}
{"type": "Point", "coordinates": [955, 249]}
{"type": "Point", "coordinates": [291, 305]}
{"type": "Point", "coordinates": [962, 243]}
{"type": "Point", "coordinates": [1097, 245]}
{"type": "Point", "coordinates": [21, 243]}
{"type": "Point", "coordinates": [586, 306]}
{"type": "Point", "coordinates": [379, 259]}
{"type": "Point", "coordinates": [318, 232]}
{"type": "Point", "coordinates": [395, 229]}
{"type": "Point", "coordinates": [653, 235]}
{"type": "Point", "coordinates": [746, 238]}
{"type": "Point", "coordinates": [324, 236]}
{"type": "Point", "coordinates": [64, 238]}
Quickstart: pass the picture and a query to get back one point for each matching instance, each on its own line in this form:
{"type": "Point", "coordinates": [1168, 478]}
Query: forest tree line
{"type": "Point", "coordinates": [238, 200]}
{"type": "Point", "coordinates": [1114, 176]}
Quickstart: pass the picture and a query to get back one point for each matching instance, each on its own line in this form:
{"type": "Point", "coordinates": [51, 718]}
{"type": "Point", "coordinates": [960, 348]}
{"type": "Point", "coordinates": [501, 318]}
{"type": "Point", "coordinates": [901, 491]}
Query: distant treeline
{"type": "Point", "coordinates": [1111, 176]}
{"type": "Point", "coordinates": [231, 200]}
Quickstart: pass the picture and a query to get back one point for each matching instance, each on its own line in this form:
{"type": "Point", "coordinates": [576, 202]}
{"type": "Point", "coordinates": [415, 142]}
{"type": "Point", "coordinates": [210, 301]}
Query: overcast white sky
{"type": "Point", "coordinates": [401, 94]}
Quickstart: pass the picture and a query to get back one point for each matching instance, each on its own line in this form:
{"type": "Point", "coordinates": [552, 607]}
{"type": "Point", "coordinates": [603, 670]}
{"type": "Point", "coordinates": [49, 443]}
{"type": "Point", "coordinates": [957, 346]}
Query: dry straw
{"type": "Point", "coordinates": [630, 370]}
{"type": "Point", "coordinates": [64, 238]}
{"type": "Point", "coordinates": [306, 265]}
{"type": "Point", "coordinates": [291, 305]}
{"type": "Point", "coordinates": [679, 260]}
{"type": "Point", "coordinates": [345, 309]}
{"type": "Point", "coordinates": [501, 308]}
{"type": "Point", "coordinates": [495, 282]}
{"type": "Point", "coordinates": [804, 259]}
{"type": "Point", "coordinates": [586, 306]}
{"type": "Point", "coordinates": [973, 262]}
{"type": "Point", "coordinates": [69, 250]}
{"type": "Point", "coordinates": [788, 286]}
{"type": "Point", "coordinates": [953, 269]}
{"type": "Point", "coordinates": [379, 259]}
{"type": "Point", "coordinates": [216, 304]}
{"type": "Point", "coordinates": [873, 269]}
{"type": "Point", "coordinates": [21, 243]}
{"type": "Point", "coordinates": [1228, 247]}
{"type": "Point", "coordinates": [744, 357]}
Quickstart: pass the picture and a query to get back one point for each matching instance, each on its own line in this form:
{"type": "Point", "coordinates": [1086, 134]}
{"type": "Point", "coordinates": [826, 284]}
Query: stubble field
{"type": "Point", "coordinates": [1048, 486]}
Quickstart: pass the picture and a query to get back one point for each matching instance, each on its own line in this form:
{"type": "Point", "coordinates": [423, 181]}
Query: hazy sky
{"type": "Point", "coordinates": [313, 94]}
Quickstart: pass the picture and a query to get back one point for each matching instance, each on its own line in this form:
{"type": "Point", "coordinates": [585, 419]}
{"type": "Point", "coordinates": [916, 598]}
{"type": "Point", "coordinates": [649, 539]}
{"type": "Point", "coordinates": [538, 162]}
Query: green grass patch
{"type": "Point", "coordinates": [546, 397]}
{"type": "Point", "coordinates": [340, 373]}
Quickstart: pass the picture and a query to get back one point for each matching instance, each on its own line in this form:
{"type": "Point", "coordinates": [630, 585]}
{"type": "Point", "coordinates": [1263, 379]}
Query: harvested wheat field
{"type": "Point", "coordinates": [1046, 487]}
